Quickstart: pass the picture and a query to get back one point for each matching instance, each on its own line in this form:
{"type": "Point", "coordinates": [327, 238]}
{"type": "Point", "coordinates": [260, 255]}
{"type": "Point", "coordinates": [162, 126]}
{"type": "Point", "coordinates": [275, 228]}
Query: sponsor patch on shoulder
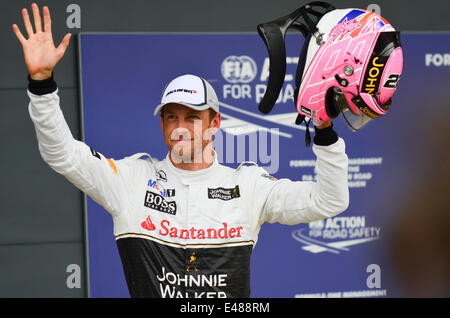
{"type": "Point", "coordinates": [268, 176]}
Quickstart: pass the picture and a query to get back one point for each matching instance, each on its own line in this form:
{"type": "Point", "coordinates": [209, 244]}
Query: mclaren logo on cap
{"type": "Point", "coordinates": [181, 90]}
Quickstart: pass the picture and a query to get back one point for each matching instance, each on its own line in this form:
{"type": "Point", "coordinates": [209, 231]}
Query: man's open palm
{"type": "Point", "coordinates": [40, 52]}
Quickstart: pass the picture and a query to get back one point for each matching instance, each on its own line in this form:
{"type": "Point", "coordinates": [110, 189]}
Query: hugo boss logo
{"type": "Point", "coordinates": [157, 202]}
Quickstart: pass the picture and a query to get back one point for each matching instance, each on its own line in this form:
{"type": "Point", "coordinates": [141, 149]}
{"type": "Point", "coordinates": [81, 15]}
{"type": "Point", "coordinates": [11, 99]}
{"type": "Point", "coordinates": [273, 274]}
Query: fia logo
{"type": "Point", "coordinates": [239, 69]}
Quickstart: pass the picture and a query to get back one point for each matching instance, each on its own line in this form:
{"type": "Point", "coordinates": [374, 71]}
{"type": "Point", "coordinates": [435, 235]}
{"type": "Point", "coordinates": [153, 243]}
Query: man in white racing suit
{"type": "Point", "coordinates": [184, 226]}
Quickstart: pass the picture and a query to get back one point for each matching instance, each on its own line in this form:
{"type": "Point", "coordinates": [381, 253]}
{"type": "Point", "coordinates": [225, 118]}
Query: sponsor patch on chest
{"type": "Point", "coordinates": [157, 202]}
{"type": "Point", "coordinates": [224, 194]}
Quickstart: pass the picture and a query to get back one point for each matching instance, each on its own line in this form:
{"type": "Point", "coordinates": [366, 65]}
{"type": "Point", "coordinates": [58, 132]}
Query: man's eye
{"type": "Point", "coordinates": [194, 117]}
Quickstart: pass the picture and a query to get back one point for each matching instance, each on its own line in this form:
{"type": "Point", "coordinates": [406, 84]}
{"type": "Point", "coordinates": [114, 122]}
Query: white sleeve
{"type": "Point", "coordinates": [293, 202]}
{"type": "Point", "coordinates": [104, 180]}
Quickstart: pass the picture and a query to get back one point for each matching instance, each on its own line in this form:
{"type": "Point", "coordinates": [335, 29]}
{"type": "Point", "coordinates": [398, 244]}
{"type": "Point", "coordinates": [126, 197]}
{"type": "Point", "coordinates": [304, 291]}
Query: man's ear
{"type": "Point", "coordinates": [213, 127]}
{"type": "Point", "coordinates": [215, 122]}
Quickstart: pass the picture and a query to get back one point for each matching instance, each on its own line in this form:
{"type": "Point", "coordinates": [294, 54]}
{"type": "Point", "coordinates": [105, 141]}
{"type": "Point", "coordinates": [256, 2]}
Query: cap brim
{"type": "Point", "coordinates": [195, 107]}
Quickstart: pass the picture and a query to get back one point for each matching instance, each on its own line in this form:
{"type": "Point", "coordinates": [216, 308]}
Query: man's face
{"type": "Point", "coordinates": [187, 131]}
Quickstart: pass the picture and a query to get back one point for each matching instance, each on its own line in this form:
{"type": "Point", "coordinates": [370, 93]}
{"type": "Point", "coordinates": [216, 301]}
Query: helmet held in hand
{"type": "Point", "coordinates": [350, 64]}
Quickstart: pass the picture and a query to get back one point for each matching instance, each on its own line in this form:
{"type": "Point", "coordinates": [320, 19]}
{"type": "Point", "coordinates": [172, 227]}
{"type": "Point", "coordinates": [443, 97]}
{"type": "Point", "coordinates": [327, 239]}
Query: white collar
{"type": "Point", "coordinates": [197, 176]}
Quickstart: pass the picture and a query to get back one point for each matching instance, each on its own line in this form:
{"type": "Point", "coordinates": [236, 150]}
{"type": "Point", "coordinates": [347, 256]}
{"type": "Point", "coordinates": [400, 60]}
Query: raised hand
{"type": "Point", "coordinates": [40, 52]}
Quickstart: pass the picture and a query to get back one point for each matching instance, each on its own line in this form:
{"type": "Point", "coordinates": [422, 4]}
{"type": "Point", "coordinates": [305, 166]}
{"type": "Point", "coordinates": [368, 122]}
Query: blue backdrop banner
{"type": "Point", "coordinates": [123, 76]}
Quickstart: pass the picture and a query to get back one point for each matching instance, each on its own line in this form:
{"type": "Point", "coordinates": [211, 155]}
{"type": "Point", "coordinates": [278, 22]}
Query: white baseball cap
{"type": "Point", "coordinates": [191, 91]}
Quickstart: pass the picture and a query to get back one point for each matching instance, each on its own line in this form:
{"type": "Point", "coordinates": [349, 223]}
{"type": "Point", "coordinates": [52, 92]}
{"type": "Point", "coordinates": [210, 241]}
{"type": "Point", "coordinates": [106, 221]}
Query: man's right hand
{"type": "Point", "coordinates": [40, 53]}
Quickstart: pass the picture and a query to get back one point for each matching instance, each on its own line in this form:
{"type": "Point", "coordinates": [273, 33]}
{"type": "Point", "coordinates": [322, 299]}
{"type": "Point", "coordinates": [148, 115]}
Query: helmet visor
{"type": "Point", "coordinates": [354, 118]}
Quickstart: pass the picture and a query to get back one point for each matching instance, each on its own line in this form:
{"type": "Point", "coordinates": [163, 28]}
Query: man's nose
{"type": "Point", "coordinates": [181, 123]}
{"type": "Point", "coordinates": [180, 132]}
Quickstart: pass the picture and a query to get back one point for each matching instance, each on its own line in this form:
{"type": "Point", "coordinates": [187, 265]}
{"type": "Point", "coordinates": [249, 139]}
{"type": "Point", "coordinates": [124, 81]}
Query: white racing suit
{"type": "Point", "coordinates": [187, 233]}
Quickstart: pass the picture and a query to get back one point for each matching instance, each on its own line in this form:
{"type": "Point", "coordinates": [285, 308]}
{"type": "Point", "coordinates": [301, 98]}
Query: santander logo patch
{"type": "Point", "coordinates": [148, 224]}
{"type": "Point", "coordinates": [221, 232]}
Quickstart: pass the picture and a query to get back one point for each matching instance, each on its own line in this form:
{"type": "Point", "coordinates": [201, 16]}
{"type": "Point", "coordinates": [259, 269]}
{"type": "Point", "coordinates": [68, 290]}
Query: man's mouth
{"type": "Point", "coordinates": [175, 141]}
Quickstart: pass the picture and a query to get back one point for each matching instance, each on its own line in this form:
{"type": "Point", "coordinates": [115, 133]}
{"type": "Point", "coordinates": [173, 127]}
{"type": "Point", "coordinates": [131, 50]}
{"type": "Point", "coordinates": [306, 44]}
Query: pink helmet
{"type": "Point", "coordinates": [351, 63]}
